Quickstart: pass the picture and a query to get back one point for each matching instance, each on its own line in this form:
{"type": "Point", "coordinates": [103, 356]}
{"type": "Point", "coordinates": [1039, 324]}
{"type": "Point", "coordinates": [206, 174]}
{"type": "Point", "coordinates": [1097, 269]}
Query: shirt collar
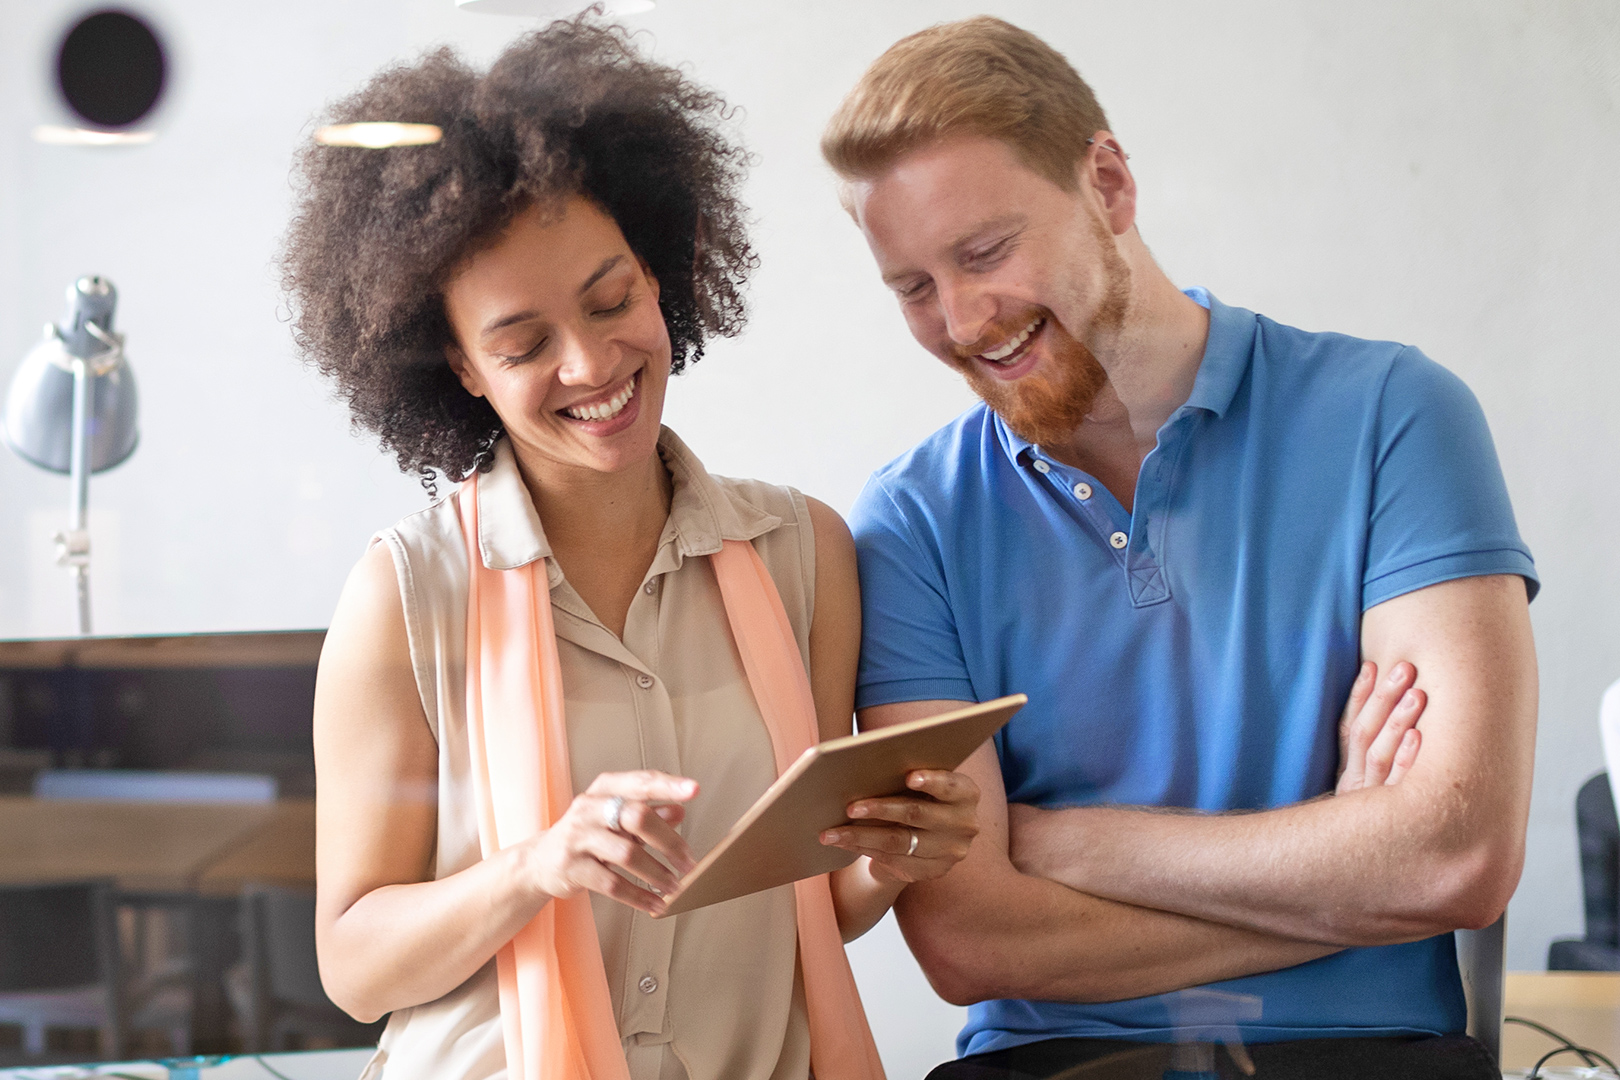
{"type": "Point", "coordinates": [702, 514]}
{"type": "Point", "coordinates": [1227, 352]}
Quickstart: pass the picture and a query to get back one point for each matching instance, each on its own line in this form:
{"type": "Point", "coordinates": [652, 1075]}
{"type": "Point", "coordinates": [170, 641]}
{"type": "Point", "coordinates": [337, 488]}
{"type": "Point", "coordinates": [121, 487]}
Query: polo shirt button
{"type": "Point", "coordinates": [646, 681]}
{"type": "Point", "coordinates": [651, 587]}
{"type": "Point", "coordinates": [1119, 540]}
{"type": "Point", "coordinates": [1042, 467]}
{"type": "Point", "coordinates": [648, 984]}
{"type": "Point", "coordinates": [1082, 491]}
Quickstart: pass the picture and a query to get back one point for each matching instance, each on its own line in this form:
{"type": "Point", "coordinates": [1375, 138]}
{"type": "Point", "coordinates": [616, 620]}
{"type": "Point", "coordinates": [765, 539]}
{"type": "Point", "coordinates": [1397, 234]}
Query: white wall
{"type": "Point", "coordinates": [1440, 173]}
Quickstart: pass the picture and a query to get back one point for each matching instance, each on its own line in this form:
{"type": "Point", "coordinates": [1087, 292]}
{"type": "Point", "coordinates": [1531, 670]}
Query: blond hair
{"type": "Point", "coordinates": [979, 76]}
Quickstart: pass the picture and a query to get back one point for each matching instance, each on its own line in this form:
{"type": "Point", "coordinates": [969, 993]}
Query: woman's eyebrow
{"type": "Point", "coordinates": [607, 264]}
{"type": "Point", "coordinates": [523, 316]}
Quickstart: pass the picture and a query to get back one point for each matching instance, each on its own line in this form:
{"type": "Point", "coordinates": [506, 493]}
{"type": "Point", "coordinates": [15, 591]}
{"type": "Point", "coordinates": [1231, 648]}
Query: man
{"type": "Point", "coordinates": [1180, 528]}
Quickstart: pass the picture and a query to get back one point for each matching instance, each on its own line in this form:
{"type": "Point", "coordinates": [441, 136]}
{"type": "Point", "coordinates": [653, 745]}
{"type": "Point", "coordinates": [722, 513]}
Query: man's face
{"type": "Point", "coordinates": [1000, 273]}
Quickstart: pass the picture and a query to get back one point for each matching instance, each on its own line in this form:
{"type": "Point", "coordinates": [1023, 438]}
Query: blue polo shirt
{"type": "Point", "coordinates": [1196, 652]}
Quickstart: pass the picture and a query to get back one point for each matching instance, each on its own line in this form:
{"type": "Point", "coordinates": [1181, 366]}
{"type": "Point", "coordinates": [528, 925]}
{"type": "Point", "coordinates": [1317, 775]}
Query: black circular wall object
{"type": "Point", "coordinates": [111, 68]}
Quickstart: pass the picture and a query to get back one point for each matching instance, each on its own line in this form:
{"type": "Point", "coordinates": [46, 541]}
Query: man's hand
{"type": "Point", "coordinates": [1378, 735]}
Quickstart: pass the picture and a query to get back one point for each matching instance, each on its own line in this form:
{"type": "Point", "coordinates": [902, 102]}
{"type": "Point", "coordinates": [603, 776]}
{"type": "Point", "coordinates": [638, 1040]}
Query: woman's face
{"type": "Point", "coordinates": [557, 325]}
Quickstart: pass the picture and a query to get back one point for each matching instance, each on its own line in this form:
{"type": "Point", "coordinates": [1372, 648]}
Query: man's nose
{"type": "Point", "coordinates": [968, 311]}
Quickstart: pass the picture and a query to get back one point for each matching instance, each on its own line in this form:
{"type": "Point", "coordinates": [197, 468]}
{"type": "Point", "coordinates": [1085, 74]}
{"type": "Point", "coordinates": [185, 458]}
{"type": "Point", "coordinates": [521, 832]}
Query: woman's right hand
{"type": "Point", "coordinates": [581, 851]}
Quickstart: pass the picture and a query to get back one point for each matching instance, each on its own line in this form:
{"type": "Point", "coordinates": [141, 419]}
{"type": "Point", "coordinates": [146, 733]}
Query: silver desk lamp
{"type": "Point", "coordinates": [72, 409]}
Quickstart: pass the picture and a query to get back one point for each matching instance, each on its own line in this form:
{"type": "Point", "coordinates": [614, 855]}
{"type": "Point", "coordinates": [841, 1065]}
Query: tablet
{"type": "Point", "coordinates": [778, 840]}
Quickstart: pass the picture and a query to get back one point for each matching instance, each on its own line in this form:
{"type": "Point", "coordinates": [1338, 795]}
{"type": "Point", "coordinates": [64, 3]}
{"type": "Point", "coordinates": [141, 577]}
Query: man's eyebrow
{"type": "Point", "coordinates": [1007, 223]}
{"type": "Point", "coordinates": [524, 316]}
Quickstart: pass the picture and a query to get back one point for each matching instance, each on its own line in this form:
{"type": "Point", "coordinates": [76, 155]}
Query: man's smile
{"type": "Point", "coordinates": [1008, 351]}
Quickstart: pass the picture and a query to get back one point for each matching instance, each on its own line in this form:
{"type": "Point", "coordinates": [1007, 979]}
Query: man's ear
{"type": "Point", "coordinates": [1104, 169]}
{"type": "Point", "coordinates": [463, 369]}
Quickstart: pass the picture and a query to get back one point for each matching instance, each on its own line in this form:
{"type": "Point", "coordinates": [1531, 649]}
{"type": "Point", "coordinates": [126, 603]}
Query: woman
{"type": "Point", "coordinates": [508, 305]}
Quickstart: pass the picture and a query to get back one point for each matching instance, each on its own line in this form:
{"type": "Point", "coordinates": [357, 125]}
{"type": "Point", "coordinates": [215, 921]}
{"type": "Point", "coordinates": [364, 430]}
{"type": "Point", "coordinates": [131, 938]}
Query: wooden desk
{"type": "Point", "coordinates": [278, 851]}
{"type": "Point", "coordinates": [158, 847]}
{"type": "Point", "coordinates": [1583, 1005]}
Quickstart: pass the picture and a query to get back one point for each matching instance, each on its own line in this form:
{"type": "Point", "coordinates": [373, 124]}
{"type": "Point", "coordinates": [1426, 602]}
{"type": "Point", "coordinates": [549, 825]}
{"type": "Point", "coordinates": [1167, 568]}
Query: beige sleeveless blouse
{"type": "Point", "coordinates": [709, 995]}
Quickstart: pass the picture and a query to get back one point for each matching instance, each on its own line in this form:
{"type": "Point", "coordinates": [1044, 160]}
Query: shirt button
{"type": "Point", "coordinates": [1082, 491]}
{"type": "Point", "coordinates": [1119, 540]}
{"type": "Point", "coordinates": [1042, 467]}
{"type": "Point", "coordinates": [650, 588]}
{"type": "Point", "coordinates": [648, 984]}
{"type": "Point", "coordinates": [646, 681]}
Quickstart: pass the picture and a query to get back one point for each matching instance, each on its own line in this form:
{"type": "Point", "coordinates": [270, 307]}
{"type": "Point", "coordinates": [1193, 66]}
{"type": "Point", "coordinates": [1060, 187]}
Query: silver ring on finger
{"type": "Point", "coordinates": [912, 850]}
{"type": "Point", "coordinates": [610, 816]}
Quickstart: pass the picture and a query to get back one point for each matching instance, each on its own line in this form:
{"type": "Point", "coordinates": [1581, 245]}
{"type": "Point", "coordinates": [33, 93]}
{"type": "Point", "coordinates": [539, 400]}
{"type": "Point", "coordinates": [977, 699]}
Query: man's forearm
{"type": "Point", "coordinates": [1346, 870]}
{"type": "Point", "coordinates": [1440, 850]}
{"type": "Point", "coordinates": [1015, 936]}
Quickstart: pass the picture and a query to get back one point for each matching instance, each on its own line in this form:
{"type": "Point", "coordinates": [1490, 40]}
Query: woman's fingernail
{"type": "Point", "coordinates": [830, 838]}
{"type": "Point", "coordinates": [858, 811]}
{"type": "Point", "coordinates": [916, 781]}
{"type": "Point", "coordinates": [1409, 700]}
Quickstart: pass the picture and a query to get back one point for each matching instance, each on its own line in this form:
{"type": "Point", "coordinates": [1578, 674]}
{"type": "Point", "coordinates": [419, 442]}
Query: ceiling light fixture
{"type": "Point", "coordinates": [57, 135]}
{"type": "Point", "coordinates": [552, 9]}
{"type": "Point", "coordinates": [378, 135]}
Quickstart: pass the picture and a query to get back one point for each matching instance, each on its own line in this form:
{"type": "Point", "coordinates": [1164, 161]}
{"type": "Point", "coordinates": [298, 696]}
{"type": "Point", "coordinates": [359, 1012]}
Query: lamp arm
{"type": "Point", "coordinates": [73, 546]}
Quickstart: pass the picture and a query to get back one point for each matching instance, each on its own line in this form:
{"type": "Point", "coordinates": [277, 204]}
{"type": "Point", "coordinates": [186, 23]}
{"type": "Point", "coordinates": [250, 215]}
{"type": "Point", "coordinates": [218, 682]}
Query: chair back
{"type": "Point", "coordinates": [279, 933]}
{"type": "Point", "coordinates": [57, 936]}
{"type": "Point", "coordinates": [1482, 961]}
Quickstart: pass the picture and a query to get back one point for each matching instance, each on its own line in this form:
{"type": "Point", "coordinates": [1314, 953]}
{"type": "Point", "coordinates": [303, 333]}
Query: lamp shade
{"type": "Point", "coordinates": [39, 406]}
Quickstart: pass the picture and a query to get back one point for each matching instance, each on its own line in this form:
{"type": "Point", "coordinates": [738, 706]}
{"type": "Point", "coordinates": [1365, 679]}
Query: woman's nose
{"type": "Point", "coordinates": [587, 361]}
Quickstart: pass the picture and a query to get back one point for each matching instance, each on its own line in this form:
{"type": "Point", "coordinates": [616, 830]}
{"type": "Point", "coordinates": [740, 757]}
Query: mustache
{"type": "Point", "coordinates": [999, 333]}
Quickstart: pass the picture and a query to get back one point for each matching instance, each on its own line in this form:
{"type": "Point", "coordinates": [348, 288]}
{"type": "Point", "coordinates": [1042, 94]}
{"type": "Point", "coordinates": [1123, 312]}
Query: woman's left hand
{"type": "Point", "coordinates": [914, 837]}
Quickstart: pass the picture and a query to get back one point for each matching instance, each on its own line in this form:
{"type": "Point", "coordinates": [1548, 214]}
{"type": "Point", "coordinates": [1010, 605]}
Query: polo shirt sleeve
{"type": "Point", "coordinates": [910, 650]}
{"type": "Point", "coordinates": [1440, 507]}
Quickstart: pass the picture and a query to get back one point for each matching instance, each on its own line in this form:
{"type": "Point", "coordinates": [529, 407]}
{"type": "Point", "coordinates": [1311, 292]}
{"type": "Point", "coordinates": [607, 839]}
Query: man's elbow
{"type": "Point", "coordinates": [1474, 889]}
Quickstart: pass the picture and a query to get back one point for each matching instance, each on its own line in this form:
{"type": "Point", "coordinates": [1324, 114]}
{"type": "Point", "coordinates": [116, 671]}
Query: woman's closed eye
{"type": "Point", "coordinates": [621, 306]}
{"type": "Point", "coordinates": [519, 358]}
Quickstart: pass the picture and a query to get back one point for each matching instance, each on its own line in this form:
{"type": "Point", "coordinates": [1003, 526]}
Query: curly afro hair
{"type": "Point", "coordinates": [573, 109]}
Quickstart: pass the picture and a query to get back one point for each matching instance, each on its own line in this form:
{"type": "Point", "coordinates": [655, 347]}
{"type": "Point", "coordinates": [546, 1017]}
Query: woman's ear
{"type": "Point", "coordinates": [464, 370]}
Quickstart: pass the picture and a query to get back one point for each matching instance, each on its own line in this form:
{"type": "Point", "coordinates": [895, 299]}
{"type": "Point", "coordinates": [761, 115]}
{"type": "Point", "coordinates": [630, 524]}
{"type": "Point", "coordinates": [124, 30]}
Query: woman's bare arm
{"type": "Point", "coordinates": [388, 935]}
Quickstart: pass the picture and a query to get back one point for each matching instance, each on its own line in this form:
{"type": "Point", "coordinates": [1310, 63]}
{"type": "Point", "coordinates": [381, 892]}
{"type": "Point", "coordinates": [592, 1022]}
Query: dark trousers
{"type": "Point", "coordinates": [1448, 1057]}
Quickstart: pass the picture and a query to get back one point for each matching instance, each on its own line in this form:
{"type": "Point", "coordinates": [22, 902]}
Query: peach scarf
{"type": "Point", "coordinates": [556, 1010]}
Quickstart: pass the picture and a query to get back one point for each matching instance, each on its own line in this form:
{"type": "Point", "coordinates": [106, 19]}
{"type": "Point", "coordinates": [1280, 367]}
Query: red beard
{"type": "Point", "coordinates": [1047, 405]}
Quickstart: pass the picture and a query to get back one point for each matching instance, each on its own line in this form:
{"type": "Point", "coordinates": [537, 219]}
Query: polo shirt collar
{"type": "Point", "coordinates": [1227, 352]}
{"type": "Point", "coordinates": [701, 513]}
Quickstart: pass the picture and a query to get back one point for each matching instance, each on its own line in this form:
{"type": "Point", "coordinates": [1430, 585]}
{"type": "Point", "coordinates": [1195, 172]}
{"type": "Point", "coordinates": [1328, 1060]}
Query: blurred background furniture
{"type": "Point", "coordinates": [1598, 828]}
{"type": "Point", "coordinates": [59, 962]}
{"type": "Point", "coordinates": [284, 1006]}
{"type": "Point", "coordinates": [175, 771]}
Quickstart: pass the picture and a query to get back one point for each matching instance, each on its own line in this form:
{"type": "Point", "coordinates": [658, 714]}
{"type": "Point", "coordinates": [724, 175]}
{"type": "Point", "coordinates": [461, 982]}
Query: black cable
{"type": "Point", "coordinates": [1570, 1047]}
{"type": "Point", "coordinates": [1535, 1070]}
{"type": "Point", "coordinates": [269, 1068]}
{"type": "Point", "coordinates": [1569, 1044]}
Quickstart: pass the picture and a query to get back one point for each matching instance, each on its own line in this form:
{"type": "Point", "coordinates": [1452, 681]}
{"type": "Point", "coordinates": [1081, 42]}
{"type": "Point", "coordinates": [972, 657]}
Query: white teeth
{"type": "Point", "coordinates": [605, 410]}
{"type": "Point", "coordinates": [1012, 346]}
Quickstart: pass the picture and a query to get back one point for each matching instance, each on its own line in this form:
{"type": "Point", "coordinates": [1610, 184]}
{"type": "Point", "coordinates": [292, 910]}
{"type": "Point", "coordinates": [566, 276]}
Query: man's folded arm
{"type": "Point", "coordinates": [1439, 851]}
{"type": "Point", "coordinates": [986, 931]}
